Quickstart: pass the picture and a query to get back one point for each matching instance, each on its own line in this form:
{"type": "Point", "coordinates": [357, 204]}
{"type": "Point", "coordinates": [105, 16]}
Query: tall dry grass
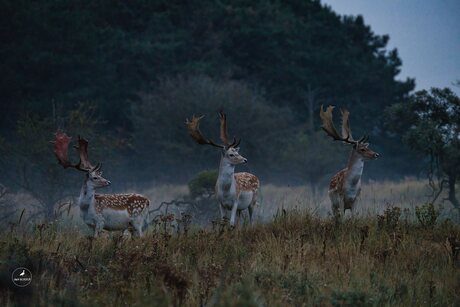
{"type": "Point", "coordinates": [297, 255]}
{"type": "Point", "coordinates": [295, 260]}
{"type": "Point", "coordinates": [374, 199]}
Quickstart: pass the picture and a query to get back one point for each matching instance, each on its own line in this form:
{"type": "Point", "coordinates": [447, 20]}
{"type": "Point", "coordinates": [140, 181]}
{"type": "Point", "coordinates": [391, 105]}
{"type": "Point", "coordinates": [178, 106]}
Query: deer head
{"type": "Point", "coordinates": [93, 173]}
{"type": "Point", "coordinates": [361, 146]}
{"type": "Point", "coordinates": [95, 178]}
{"type": "Point", "coordinates": [229, 150]}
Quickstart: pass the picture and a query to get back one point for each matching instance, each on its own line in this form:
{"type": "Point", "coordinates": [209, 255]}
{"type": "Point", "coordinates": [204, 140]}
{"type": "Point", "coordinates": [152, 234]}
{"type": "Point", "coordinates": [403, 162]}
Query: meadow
{"type": "Point", "coordinates": [295, 254]}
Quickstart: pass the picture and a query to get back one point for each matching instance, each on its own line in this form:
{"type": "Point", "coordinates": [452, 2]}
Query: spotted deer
{"type": "Point", "coordinates": [234, 191]}
{"type": "Point", "coordinates": [102, 211]}
{"type": "Point", "coordinates": [345, 186]}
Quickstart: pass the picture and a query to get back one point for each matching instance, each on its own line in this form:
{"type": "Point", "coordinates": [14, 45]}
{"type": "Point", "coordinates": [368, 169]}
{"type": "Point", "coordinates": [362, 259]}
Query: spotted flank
{"type": "Point", "coordinates": [337, 181]}
{"type": "Point", "coordinates": [246, 182]}
{"type": "Point", "coordinates": [133, 203]}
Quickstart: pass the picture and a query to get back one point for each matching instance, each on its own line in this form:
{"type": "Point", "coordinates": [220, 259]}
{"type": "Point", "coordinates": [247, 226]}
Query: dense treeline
{"type": "Point", "coordinates": [127, 74]}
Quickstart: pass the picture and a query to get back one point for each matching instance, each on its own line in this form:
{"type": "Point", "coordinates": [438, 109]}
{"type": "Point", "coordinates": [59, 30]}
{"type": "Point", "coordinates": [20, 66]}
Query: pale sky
{"type": "Point", "coordinates": [425, 32]}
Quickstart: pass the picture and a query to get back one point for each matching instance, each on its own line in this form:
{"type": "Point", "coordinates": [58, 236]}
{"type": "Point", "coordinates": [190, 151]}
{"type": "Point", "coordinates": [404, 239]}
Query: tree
{"type": "Point", "coordinates": [30, 167]}
{"type": "Point", "coordinates": [161, 137]}
{"type": "Point", "coordinates": [295, 55]}
{"type": "Point", "coordinates": [430, 124]}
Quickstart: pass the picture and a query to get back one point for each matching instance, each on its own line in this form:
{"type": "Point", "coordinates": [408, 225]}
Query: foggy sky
{"type": "Point", "coordinates": [425, 32]}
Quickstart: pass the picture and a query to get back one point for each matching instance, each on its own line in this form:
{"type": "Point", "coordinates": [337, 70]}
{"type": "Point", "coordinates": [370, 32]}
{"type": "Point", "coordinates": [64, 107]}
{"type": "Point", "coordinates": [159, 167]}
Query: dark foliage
{"type": "Point", "coordinates": [430, 124]}
{"type": "Point", "coordinates": [143, 66]}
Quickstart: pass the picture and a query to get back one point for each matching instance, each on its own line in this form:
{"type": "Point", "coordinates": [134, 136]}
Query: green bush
{"type": "Point", "coordinates": [427, 215]}
{"type": "Point", "coordinates": [389, 221]}
{"type": "Point", "coordinates": [203, 183]}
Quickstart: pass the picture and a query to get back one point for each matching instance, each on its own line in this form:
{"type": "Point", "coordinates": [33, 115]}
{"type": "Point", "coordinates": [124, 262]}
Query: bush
{"type": "Point", "coordinates": [389, 221]}
{"type": "Point", "coordinates": [203, 184]}
{"type": "Point", "coordinates": [174, 156]}
{"type": "Point", "coordinates": [427, 215]}
{"type": "Point", "coordinates": [201, 190]}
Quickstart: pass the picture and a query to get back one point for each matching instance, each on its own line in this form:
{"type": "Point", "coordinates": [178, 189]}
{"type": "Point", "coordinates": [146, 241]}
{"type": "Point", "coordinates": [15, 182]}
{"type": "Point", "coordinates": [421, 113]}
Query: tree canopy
{"type": "Point", "coordinates": [143, 66]}
{"type": "Point", "coordinates": [430, 124]}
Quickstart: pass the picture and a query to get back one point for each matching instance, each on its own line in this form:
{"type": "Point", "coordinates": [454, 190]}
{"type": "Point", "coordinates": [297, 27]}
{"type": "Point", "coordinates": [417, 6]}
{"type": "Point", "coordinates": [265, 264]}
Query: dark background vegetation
{"type": "Point", "coordinates": [125, 75]}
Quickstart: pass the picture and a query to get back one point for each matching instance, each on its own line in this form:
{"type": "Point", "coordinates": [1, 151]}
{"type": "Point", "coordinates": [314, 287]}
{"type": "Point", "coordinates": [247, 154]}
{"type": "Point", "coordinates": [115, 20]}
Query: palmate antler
{"type": "Point", "coordinates": [223, 132]}
{"type": "Point", "coordinates": [329, 128]}
{"type": "Point", "coordinates": [61, 147]}
{"type": "Point", "coordinates": [193, 127]}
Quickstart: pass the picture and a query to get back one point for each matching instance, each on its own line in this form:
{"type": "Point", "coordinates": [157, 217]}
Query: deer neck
{"type": "Point", "coordinates": [226, 177]}
{"type": "Point", "coordinates": [354, 168]}
{"type": "Point", "coordinates": [87, 193]}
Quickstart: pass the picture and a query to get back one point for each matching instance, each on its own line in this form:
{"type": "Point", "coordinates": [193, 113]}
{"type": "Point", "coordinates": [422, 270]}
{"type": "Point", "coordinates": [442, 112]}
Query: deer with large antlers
{"type": "Point", "coordinates": [234, 191]}
{"type": "Point", "coordinates": [102, 211]}
{"type": "Point", "coordinates": [345, 186]}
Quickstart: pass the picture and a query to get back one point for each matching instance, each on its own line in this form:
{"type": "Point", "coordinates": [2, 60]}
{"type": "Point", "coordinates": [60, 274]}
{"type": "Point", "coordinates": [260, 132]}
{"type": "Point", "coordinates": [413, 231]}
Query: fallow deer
{"type": "Point", "coordinates": [102, 211]}
{"type": "Point", "coordinates": [234, 191]}
{"type": "Point", "coordinates": [345, 186]}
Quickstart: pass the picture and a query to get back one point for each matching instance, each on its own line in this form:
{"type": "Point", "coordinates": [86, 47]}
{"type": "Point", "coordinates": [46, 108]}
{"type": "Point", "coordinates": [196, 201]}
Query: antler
{"type": "Point", "coordinates": [193, 127]}
{"type": "Point", "coordinates": [82, 148]}
{"type": "Point", "coordinates": [223, 132]}
{"type": "Point", "coordinates": [328, 125]}
{"type": "Point", "coordinates": [223, 127]}
{"type": "Point", "coordinates": [61, 146]}
{"type": "Point", "coordinates": [346, 130]}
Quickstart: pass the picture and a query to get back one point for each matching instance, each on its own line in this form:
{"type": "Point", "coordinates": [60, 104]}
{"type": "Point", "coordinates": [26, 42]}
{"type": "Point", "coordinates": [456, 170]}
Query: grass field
{"type": "Point", "coordinates": [374, 199]}
{"type": "Point", "coordinates": [293, 257]}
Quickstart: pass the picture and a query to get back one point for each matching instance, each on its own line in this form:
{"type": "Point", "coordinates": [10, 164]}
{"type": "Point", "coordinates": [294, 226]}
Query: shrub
{"type": "Point", "coordinates": [427, 215]}
{"type": "Point", "coordinates": [201, 190]}
{"type": "Point", "coordinates": [389, 221]}
{"type": "Point", "coordinates": [202, 184]}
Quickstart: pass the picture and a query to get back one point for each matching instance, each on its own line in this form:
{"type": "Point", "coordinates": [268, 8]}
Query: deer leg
{"type": "Point", "coordinates": [98, 228]}
{"type": "Point", "coordinates": [348, 204]}
{"type": "Point", "coordinates": [137, 230]}
{"type": "Point", "coordinates": [336, 210]}
{"type": "Point", "coordinates": [335, 201]}
{"type": "Point", "coordinates": [352, 212]}
{"type": "Point", "coordinates": [93, 229]}
{"type": "Point", "coordinates": [233, 216]}
{"type": "Point", "coordinates": [250, 211]}
{"type": "Point", "coordinates": [223, 211]}
{"type": "Point", "coordinates": [145, 222]}
{"type": "Point", "coordinates": [131, 230]}
{"type": "Point", "coordinates": [137, 223]}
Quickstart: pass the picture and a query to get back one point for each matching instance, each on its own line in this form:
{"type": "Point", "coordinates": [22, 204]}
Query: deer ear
{"type": "Point", "coordinates": [236, 149]}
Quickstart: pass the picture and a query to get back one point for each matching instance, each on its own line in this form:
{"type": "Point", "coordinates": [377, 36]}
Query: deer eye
{"type": "Point", "coordinates": [95, 178]}
{"type": "Point", "coordinates": [232, 155]}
